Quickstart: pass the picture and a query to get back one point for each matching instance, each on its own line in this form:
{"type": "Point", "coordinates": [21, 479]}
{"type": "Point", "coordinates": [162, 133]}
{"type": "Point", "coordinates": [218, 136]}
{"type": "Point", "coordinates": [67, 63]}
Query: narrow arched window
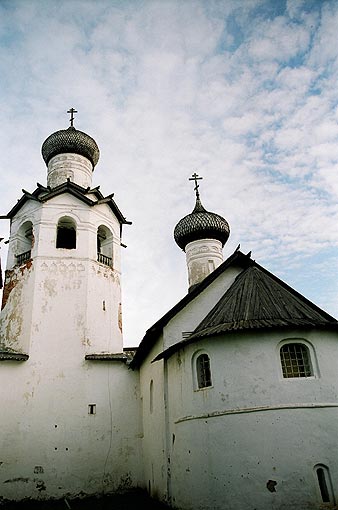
{"type": "Point", "coordinates": [203, 371]}
{"type": "Point", "coordinates": [151, 396]}
{"type": "Point", "coordinates": [104, 241]}
{"type": "Point", "coordinates": [324, 483]}
{"type": "Point", "coordinates": [295, 360]}
{"type": "Point", "coordinates": [25, 240]}
{"type": "Point", "coordinates": [66, 233]}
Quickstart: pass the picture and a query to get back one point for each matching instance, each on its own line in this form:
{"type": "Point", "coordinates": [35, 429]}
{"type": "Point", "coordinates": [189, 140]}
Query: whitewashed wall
{"type": "Point", "coordinates": [51, 446]}
{"type": "Point", "coordinates": [153, 418]}
{"type": "Point", "coordinates": [252, 426]}
{"type": "Point", "coordinates": [192, 314]}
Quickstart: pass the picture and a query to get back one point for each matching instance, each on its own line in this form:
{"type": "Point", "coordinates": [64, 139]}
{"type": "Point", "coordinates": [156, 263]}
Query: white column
{"type": "Point", "coordinates": [69, 166]}
{"type": "Point", "coordinates": [203, 256]}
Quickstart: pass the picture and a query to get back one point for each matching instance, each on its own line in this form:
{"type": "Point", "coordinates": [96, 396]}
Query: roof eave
{"type": "Point", "coordinates": [167, 353]}
{"type": "Point", "coordinates": [66, 187]}
{"type": "Point", "coordinates": [13, 356]}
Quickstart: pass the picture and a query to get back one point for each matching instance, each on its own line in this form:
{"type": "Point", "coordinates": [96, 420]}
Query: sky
{"type": "Point", "coordinates": [243, 92]}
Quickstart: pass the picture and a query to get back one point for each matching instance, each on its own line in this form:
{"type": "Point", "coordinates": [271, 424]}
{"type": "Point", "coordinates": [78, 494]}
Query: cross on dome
{"type": "Point", "coordinates": [72, 111]}
{"type": "Point", "coordinates": [196, 178]}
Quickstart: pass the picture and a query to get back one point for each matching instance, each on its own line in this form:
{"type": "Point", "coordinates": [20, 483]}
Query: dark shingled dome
{"type": "Point", "coordinates": [201, 224]}
{"type": "Point", "coordinates": [70, 140]}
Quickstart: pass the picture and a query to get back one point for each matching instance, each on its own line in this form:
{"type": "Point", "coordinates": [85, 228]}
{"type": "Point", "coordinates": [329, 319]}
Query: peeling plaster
{"type": "Point", "coordinates": [28, 395]}
{"type": "Point", "coordinates": [12, 278]}
{"type": "Point", "coordinates": [49, 287]}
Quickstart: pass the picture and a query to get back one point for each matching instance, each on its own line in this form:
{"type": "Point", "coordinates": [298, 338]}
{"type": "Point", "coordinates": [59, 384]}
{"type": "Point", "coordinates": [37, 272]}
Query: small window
{"type": "Point", "coordinates": [203, 371]}
{"type": "Point", "coordinates": [66, 234]}
{"type": "Point", "coordinates": [91, 408]}
{"type": "Point", "coordinates": [324, 483]}
{"type": "Point", "coordinates": [295, 360]}
{"type": "Point", "coordinates": [151, 396]}
{"type": "Point", "coordinates": [211, 265]}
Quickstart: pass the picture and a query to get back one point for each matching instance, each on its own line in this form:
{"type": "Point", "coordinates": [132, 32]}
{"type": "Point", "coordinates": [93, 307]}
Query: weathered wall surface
{"type": "Point", "coordinates": [202, 256]}
{"type": "Point", "coordinates": [154, 419]}
{"type": "Point", "coordinates": [71, 166]}
{"type": "Point", "coordinates": [252, 439]}
{"type": "Point", "coordinates": [69, 306]}
{"type": "Point", "coordinates": [70, 287]}
{"type": "Point", "coordinates": [17, 310]}
{"type": "Point", "coordinates": [51, 446]}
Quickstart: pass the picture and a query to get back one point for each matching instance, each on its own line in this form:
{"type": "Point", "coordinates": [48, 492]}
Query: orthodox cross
{"type": "Point", "coordinates": [195, 178]}
{"type": "Point", "coordinates": [72, 111]}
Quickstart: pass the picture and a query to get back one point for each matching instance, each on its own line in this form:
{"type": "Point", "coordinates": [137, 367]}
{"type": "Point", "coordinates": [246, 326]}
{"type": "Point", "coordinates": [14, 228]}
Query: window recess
{"type": "Point", "coordinates": [203, 371]}
{"type": "Point", "coordinates": [295, 360]}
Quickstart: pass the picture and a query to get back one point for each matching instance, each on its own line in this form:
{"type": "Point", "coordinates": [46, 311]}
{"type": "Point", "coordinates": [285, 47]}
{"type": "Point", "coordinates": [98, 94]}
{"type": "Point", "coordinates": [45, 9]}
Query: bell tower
{"type": "Point", "coordinates": [62, 283]}
{"type": "Point", "coordinates": [72, 421]}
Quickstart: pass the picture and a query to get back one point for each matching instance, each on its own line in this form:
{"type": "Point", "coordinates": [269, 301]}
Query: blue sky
{"type": "Point", "coordinates": [242, 92]}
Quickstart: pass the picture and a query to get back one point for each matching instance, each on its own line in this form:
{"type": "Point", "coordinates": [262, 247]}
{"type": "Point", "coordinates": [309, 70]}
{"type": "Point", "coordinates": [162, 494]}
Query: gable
{"type": "Point", "coordinates": [236, 260]}
{"type": "Point", "coordinates": [187, 319]}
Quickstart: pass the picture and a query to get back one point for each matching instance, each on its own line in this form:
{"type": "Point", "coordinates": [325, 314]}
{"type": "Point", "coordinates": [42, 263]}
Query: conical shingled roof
{"type": "Point", "coordinates": [257, 300]}
{"type": "Point", "coordinates": [201, 224]}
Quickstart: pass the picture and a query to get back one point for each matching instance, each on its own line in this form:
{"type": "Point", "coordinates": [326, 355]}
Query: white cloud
{"type": "Point", "coordinates": [278, 39]}
{"type": "Point", "coordinates": [160, 89]}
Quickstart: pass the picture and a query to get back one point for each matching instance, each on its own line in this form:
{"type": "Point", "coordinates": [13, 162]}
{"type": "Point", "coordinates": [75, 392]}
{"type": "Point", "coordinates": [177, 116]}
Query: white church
{"type": "Point", "coordinates": [230, 402]}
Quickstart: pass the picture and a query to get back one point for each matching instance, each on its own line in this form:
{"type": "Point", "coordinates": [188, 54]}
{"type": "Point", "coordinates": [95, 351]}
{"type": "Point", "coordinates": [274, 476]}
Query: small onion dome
{"type": "Point", "coordinates": [201, 224]}
{"type": "Point", "coordinates": [70, 140]}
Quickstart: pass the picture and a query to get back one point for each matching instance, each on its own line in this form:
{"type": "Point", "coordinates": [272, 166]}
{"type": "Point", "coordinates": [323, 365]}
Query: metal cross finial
{"type": "Point", "coordinates": [196, 178]}
{"type": "Point", "coordinates": [72, 111]}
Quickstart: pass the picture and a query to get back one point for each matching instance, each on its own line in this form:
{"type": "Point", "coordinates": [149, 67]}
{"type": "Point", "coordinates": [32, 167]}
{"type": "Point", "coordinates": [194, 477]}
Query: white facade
{"type": "Point", "coordinates": [253, 439]}
{"type": "Point", "coordinates": [78, 419]}
{"type": "Point", "coordinates": [252, 430]}
{"type": "Point", "coordinates": [66, 428]}
{"type": "Point", "coordinates": [63, 281]}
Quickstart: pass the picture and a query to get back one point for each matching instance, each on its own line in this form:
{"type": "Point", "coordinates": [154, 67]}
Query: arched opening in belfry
{"type": "Point", "coordinates": [104, 246]}
{"type": "Point", "coordinates": [25, 240]}
{"type": "Point", "coordinates": [66, 233]}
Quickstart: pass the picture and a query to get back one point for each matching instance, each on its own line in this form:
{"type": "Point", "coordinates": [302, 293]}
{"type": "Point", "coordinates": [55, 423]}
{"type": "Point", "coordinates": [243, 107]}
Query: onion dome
{"type": "Point", "coordinates": [201, 224]}
{"type": "Point", "coordinates": [70, 140]}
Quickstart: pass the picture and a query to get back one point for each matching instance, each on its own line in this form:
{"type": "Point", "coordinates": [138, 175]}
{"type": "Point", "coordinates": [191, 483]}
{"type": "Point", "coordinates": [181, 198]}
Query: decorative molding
{"type": "Point", "coordinates": [69, 157]}
{"type": "Point", "coordinates": [107, 357]}
{"type": "Point", "coordinates": [196, 250]}
{"type": "Point", "coordinates": [13, 356]}
{"type": "Point", "coordinates": [244, 410]}
{"type": "Point", "coordinates": [62, 267]}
